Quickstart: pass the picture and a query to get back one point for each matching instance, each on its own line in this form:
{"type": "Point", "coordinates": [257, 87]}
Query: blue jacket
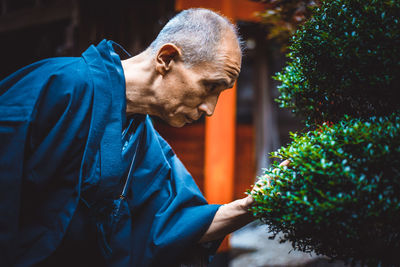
{"type": "Point", "coordinates": [66, 148]}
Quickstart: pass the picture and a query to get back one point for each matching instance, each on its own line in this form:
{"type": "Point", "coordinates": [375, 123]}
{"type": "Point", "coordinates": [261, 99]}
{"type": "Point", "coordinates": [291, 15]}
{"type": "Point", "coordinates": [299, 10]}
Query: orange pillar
{"type": "Point", "coordinates": [220, 150]}
{"type": "Point", "coordinates": [219, 165]}
{"type": "Point", "coordinates": [220, 142]}
{"type": "Point", "coordinates": [220, 153]}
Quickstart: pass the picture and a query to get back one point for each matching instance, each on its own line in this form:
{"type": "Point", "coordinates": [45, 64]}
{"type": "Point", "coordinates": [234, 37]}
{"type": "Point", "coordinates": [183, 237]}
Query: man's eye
{"type": "Point", "coordinates": [212, 87]}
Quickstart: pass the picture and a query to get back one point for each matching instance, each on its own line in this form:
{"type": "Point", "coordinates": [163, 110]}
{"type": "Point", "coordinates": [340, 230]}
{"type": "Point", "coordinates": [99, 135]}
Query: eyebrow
{"type": "Point", "coordinates": [221, 81]}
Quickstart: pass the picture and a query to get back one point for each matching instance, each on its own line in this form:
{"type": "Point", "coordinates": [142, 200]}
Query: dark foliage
{"type": "Point", "coordinates": [340, 196]}
{"type": "Point", "coordinates": [283, 17]}
{"type": "Point", "coordinates": [345, 60]}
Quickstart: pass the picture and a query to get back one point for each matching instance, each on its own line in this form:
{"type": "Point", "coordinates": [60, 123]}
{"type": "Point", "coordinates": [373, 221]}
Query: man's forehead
{"type": "Point", "coordinates": [231, 66]}
{"type": "Point", "coordinates": [229, 59]}
{"type": "Point", "coordinates": [222, 71]}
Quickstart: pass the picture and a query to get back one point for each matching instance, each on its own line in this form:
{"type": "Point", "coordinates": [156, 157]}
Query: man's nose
{"type": "Point", "coordinates": [208, 106]}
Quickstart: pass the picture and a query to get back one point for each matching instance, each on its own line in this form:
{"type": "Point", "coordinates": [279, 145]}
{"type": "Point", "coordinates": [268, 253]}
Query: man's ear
{"type": "Point", "coordinates": [165, 56]}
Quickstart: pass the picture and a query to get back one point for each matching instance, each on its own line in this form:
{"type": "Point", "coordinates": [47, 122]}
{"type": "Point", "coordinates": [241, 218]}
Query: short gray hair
{"type": "Point", "coordinates": [197, 33]}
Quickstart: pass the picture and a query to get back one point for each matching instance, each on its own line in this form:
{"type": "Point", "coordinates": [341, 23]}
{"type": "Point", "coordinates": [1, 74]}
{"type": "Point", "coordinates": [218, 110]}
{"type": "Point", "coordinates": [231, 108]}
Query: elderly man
{"type": "Point", "coordinates": [85, 178]}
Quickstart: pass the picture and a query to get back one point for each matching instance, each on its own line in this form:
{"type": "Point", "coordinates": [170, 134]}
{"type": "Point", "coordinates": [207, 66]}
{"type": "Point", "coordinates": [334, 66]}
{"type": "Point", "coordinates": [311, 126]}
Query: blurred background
{"type": "Point", "coordinates": [224, 153]}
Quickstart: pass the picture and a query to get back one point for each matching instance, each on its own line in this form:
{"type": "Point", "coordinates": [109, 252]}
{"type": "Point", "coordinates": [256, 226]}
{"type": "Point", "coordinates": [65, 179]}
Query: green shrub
{"type": "Point", "coordinates": [340, 196]}
{"type": "Point", "coordinates": [345, 60]}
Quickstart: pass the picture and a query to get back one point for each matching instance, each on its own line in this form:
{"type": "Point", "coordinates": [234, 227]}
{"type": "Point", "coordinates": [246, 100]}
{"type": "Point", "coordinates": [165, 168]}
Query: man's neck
{"type": "Point", "coordinates": [140, 76]}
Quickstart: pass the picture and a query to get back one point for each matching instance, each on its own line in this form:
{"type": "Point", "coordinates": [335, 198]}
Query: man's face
{"type": "Point", "coordinates": [190, 92]}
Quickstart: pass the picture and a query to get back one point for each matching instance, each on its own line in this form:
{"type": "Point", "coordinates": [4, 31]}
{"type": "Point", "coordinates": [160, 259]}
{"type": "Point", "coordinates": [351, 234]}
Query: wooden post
{"type": "Point", "coordinates": [267, 137]}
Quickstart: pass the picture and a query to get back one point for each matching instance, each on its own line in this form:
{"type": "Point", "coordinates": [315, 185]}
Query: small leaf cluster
{"type": "Point", "coordinates": [344, 60]}
{"type": "Point", "coordinates": [340, 196]}
{"type": "Point", "coordinates": [283, 17]}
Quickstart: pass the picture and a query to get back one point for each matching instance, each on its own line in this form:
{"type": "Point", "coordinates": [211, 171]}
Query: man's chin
{"type": "Point", "coordinates": [178, 121]}
{"type": "Point", "coordinates": [177, 124]}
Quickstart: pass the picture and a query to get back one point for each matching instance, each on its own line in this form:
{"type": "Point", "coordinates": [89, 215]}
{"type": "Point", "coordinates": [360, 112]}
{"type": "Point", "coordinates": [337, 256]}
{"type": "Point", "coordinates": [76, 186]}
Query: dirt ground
{"type": "Point", "coordinates": [252, 248]}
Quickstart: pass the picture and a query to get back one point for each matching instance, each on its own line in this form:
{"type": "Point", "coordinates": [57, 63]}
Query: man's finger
{"type": "Point", "coordinates": [261, 184]}
{"type": "Point", "coordinates": [266, 181]}
{"type": "Point", "coordinates": [285, 163]}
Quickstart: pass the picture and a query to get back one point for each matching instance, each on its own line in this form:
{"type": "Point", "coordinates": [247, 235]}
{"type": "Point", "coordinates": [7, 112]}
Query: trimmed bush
{"type": "Point", "coordinates": [345, 60]}
{"type": "Point", "coordinates": [340, 196]}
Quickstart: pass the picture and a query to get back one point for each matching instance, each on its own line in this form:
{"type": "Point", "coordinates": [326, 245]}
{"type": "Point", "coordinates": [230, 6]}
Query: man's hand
{"type": "Point", "coordinates": [265, 183]}
{"type": "Point", "coordinates": [234, 215]}
{"type": "Point", "coordinates": [229, 218]}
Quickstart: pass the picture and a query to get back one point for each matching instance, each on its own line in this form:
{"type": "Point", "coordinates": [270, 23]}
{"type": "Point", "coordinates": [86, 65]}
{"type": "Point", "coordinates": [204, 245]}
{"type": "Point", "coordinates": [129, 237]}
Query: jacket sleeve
{"type": "Point", "coordinates": [169, 213]}
{"type": "Point", "coordinates": [44, 121]}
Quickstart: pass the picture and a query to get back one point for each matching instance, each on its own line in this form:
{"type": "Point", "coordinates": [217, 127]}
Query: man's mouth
{"type": "Point", "coordinates": [189, 120]}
